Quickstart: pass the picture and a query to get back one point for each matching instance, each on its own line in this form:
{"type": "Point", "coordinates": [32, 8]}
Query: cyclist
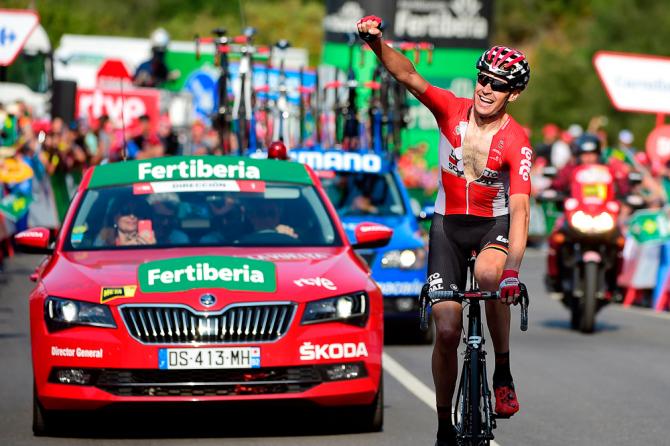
{"type": "Point", "coordinates": [482, 205]}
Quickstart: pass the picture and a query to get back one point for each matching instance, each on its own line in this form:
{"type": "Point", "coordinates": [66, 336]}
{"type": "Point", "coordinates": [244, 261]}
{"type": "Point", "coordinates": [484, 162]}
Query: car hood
{"type": "Point", "coordinates": [290, 274]}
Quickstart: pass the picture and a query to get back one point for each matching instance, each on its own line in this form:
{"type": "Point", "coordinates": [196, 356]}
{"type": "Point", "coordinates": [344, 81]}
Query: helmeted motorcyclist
{"type": "Point", "coordinates": [586, 150]}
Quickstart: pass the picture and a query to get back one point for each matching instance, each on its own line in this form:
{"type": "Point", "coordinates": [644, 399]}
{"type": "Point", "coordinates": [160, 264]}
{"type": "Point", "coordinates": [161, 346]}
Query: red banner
{"type": "Point", "coordinates": [92, 104]}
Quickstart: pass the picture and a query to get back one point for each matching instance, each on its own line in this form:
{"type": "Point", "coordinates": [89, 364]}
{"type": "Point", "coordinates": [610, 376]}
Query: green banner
{"type": "Point", "coordinates": [15, 207]}
{"type": "Point", "coordinates": [187, 273]}
{"type": "Point", "coordinates": [649, 226]}
{"type": "Point", "coordinates": [180, 168]}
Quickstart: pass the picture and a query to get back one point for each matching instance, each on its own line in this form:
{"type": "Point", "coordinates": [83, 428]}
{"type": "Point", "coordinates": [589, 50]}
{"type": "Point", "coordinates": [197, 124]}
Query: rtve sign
{"type": "Point", "coordinates": [635, 82]}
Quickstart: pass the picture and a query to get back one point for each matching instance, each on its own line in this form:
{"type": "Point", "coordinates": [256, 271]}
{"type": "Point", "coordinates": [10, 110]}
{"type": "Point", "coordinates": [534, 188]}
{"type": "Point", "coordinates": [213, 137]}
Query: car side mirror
{"type": "Point", "coordinates": [34, 241]}
{"type": "Point", "coordinates": [371, 235]}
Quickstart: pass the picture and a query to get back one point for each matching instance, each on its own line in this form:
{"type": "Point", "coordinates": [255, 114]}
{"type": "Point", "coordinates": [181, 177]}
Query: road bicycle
{"type": "Point", "coordinates": [222, 117]}
{"type": "Point", "coordinates": [473, 415]}
{"type": "Point", "coordinates": [244, 97]}
{"type": "Point", "coordinates": [281, 123]}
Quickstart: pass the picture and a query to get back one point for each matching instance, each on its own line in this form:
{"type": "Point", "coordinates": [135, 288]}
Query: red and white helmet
{"type": "Point", "coordinates": [508, 63]}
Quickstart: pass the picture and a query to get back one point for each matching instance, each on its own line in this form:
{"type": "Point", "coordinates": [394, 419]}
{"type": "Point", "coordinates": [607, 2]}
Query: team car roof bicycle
{"type": "Point", "coordinates": [204, 279]}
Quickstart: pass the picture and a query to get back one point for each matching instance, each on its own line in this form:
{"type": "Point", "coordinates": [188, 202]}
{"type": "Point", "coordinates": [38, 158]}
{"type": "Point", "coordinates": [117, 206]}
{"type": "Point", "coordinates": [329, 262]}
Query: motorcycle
{"type": "Point", "coordinates": [585, 247]}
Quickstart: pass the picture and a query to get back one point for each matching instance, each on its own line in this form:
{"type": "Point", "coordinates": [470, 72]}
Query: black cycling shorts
{"type": "Point", "coordinates": [453, 238]}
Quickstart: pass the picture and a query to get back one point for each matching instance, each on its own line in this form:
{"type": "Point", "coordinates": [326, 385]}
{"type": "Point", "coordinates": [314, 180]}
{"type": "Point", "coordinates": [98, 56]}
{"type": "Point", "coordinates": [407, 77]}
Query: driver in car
{"type": "Point", "coordinates": [265, 216]}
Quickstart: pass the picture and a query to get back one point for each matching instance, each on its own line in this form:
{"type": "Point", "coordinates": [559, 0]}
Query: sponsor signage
{"type": "Point", "coordinates": [15, 28]}
{"type": "Point", "coordinates": [186, 273]}
{"type": "Point", "coordinates": [635, 82]}
{"type": "Point", "coordinates": [311, 352]}
{"type": "Point", "coordinates": [128, 105]}
{"type": "Point", "coordinates": [650, 226]}
{"type": "Point", "coordinates": [445, 23]}
{"type": "Point", "coordinates": [454, 24]}
{"type": "Point", "coordinates": [341, 161]}
{"type": "Point", "coordinates": [111, 293]}
{"type": "Point", "coordinates": [180, 168]}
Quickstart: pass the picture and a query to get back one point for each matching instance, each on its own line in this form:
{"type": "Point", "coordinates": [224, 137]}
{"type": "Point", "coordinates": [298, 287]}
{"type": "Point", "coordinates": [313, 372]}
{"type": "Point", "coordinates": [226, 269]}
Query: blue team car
{"type": "Point", "coordinates": [365, 186]}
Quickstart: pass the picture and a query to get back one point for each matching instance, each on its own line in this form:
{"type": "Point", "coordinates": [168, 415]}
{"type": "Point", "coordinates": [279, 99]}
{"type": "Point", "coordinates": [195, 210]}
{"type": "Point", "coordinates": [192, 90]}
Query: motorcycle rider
{"type": "Point", "coordinates": [586, 151]}
{"type": "Point", "coordinates": [482, 205]}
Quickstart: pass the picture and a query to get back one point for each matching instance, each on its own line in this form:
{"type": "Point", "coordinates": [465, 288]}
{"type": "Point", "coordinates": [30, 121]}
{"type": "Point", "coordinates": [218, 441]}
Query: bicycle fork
{"type": "Point", "coordinates": [481, 420]}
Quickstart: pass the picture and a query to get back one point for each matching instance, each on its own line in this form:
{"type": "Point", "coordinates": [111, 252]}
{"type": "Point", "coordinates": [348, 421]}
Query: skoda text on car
{"type": "Point", "coordinates": [204, 279]}
{"type": "Point", "coordinates": [365, 186]}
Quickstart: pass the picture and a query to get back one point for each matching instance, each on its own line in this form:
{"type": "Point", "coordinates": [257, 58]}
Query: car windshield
{"type": "Point", "coordinates": [126, 217]}
{"type": "Point", "coordinates": [364, 194]}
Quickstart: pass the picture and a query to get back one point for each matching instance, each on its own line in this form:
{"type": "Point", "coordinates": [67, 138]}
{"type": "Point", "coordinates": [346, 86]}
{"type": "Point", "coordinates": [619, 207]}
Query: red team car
{"type": "Point", "coordinates": [204, 279]}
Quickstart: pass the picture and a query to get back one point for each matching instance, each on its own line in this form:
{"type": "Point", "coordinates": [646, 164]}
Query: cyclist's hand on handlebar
{"type": "Point", "coordinates": [369, 28]}
{"type": "Point", "coordinates": [509, 288]}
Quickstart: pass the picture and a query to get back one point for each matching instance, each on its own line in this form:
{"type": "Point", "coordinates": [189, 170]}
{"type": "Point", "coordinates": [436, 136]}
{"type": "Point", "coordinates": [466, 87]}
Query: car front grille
{"type": "Point", "coordinates": [166, 383]}
{"type": "Point", "coordinates": [239, 323]}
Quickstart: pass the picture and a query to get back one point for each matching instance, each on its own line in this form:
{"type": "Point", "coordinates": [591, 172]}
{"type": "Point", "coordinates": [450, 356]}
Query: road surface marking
{"type": "Point", "coordinates": [424, 393]}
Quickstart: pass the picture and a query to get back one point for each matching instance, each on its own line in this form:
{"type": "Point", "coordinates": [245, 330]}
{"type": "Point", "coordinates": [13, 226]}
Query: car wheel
{"type": "Point", "coordinates": [371, 418]}
{"type": "Point", "coordinates": [42, 425]}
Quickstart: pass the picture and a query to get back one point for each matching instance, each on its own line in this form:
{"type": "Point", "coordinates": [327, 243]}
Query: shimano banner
{"type": "Point", "coordinates": [445, 23]}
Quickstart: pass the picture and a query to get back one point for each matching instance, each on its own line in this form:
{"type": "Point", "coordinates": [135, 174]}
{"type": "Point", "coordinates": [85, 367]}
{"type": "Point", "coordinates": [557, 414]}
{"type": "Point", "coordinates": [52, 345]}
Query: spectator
{"type": "Point", "coordinates": [550, 134]}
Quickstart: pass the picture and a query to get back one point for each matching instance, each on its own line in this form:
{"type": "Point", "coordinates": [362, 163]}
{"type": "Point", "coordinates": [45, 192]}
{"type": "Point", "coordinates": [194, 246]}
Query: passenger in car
{"type": "Point", "coordinates": [127, 217]}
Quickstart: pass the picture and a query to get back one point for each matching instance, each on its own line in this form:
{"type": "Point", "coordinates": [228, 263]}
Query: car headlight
{"type": "Point", "coordinates": [63, 313]}
{"type": "Point", "coordinates": [405, 258]}
{"type": "Point", "coordinates": [586, 223]}
{"type": "Point", "coordinates": [350, 308]}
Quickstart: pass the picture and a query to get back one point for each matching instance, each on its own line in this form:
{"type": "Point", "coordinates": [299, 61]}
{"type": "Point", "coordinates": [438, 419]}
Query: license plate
{"type": "Point", "coordinates": [209, 358]}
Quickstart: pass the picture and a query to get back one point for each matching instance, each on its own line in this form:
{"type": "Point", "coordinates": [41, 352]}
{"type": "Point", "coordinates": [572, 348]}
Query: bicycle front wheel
{"type": "Point", "coordinates": [475, 414]}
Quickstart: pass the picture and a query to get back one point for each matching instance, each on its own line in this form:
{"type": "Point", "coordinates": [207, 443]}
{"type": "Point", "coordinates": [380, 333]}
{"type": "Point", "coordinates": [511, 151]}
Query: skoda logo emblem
{"type": "Point", "coordinates": [207, 300]}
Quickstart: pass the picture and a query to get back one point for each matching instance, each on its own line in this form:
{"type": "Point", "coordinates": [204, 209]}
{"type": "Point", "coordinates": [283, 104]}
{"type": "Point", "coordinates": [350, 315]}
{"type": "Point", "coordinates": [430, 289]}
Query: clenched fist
{"type": "Point", "coordinates": [369, 28]}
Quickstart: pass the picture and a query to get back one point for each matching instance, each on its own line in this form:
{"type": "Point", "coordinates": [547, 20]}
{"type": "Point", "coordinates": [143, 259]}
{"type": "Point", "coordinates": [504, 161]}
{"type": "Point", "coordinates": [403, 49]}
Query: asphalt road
{"type": "Point", "coordinates": [610, 388]}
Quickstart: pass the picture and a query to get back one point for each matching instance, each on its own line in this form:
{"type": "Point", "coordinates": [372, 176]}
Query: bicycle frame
{"type": "Point", "coordinates": [281, 126]}
{"type": "Point", "coordinates": [473, 416]}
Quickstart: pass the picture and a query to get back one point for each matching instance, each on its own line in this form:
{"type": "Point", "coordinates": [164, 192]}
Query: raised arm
{"type": "Point", "coordinates": [400, 67]}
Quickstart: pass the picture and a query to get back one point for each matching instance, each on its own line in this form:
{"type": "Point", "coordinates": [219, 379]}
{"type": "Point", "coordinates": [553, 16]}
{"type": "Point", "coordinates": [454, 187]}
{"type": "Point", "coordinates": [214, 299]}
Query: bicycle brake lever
{"type": "Point", "coordinates": [423, 306]}
{"type": "Point", "coordinates": [524, 301]}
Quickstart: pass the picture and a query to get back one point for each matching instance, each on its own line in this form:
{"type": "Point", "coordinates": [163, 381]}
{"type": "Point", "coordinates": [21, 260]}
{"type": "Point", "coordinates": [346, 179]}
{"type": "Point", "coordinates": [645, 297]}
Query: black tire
{"type": "Point", "coordinates": [589, 302]}
{"type": "Point", "coordinates": [575, 312]}
{"type": "Point", "coordinates": [42, 418]}
{"type": "Point", "coordinates": [371, 418]}
{"type": "Point", "coordinates": [475, 397]}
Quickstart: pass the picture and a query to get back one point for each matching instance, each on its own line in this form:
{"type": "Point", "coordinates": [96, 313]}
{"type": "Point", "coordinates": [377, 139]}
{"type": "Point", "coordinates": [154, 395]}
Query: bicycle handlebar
{"type": "Point", "coordinates": [430, 298]}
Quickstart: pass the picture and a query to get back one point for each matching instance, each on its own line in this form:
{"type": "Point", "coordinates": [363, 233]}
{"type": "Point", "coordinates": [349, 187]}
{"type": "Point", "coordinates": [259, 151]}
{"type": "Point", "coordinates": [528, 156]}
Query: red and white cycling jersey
{"type": "Point", "coordinates": [507, 169]}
